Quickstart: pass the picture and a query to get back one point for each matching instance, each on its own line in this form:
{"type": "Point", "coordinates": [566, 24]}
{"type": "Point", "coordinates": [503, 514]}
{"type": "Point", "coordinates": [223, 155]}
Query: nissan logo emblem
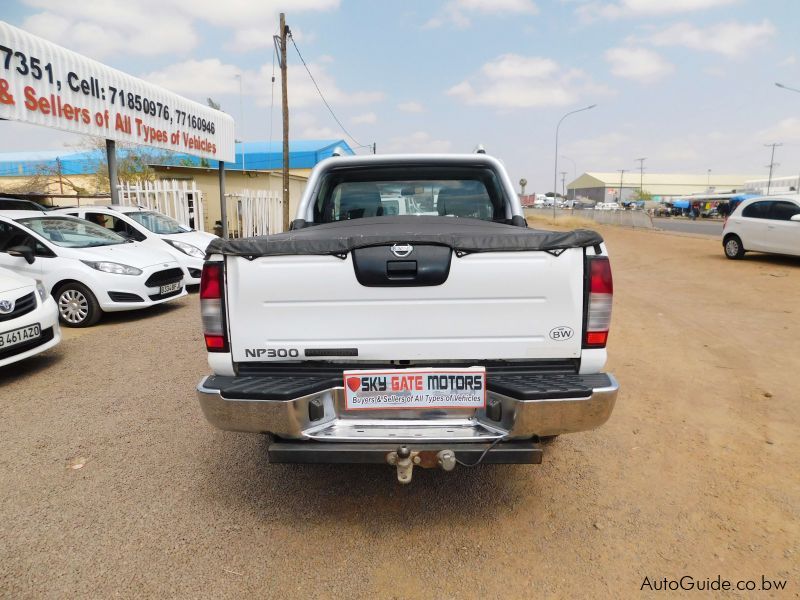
{"type": "Point", "coordinates": [402, 250]}
{"type": "Point", "coordinates": [6, 307]}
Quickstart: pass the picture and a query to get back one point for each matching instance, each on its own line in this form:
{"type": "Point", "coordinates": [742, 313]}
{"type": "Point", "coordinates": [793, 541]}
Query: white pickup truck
{"type": "Point", "coordinates": [453, 335]}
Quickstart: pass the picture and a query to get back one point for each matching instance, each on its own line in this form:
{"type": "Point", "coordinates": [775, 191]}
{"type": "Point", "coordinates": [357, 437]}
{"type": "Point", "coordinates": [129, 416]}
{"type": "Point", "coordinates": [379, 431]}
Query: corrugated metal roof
{"type": "Point", "coordinates": [632, 179]}
{"type": "Point", "coordinates": [303, 154]}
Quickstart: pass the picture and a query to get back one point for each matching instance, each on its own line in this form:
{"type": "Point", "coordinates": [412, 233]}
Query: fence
{"type": "Point", "coordinates": [624, 218]}
{"type": "Point", "coordinates": [254, 212]}
{"type": "Point", "coordinates": [180, 200]}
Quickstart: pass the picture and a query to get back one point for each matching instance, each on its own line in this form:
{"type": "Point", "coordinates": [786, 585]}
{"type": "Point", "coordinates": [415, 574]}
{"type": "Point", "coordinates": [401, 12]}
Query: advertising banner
{"type": "Point", "coordinates": [44, 84]}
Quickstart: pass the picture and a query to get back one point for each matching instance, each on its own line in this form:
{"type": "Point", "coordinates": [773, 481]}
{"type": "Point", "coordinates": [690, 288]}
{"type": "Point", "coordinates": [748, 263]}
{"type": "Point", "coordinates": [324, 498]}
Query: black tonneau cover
{"type": "Point", "coordinates": [465, 236]}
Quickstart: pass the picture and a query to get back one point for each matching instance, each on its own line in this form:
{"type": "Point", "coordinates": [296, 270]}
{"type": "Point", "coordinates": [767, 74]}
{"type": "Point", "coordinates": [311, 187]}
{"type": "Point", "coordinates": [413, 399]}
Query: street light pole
{"type": "Point", "coordinates": [786, 87]}
{"type": "Point", "coordinates": [555, 166]}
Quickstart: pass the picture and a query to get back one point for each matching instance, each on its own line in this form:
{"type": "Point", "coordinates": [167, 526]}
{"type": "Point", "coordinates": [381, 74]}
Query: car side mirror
{"type": "Point", "coordinates": [25, 252]}
{"type": "Point", "coordinates": [795, 218]}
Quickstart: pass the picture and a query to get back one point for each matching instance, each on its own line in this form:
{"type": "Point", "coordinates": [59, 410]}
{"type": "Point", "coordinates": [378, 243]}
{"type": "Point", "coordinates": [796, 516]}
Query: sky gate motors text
{"type": "Point", "coordinates": [419, 383]}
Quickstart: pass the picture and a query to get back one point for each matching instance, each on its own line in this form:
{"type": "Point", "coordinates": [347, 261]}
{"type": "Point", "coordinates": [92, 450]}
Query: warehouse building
{"type": "Point", "coordinates": [611, 187]}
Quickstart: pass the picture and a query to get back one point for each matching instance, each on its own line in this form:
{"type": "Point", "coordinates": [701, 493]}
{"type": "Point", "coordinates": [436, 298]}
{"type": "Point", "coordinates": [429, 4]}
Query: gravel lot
{"type": "Point", "coordinates": [695, 474]}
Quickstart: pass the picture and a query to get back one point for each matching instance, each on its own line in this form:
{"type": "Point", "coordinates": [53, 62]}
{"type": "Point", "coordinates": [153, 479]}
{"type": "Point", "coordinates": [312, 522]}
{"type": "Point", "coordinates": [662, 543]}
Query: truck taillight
{"type": "Point", "coordinates": [598, 306]}
{"type": "Point", "coordinates": [212, 307]}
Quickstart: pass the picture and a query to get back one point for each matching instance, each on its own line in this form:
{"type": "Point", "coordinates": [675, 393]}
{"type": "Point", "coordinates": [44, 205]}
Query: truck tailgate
{"type": "Point", "coordinates": [494, 305]}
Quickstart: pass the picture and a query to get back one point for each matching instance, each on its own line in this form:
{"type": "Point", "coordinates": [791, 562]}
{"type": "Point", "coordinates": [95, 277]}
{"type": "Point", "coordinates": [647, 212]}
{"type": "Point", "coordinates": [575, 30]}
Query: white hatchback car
{"type": "Point", "coordinates": [28, 318]}
{"type": "Point", "coordinates": [768, 224]}
{"type": "Point", "coordinates": [87, 268]}
{"type": "Point", "coordinates": [152, 229]}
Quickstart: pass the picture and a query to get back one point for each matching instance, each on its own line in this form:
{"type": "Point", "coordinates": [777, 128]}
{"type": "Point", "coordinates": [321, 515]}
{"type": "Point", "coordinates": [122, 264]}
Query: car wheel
{"type": "Point", "coordinates": [733, 247]}
{"type": "Point", "coordinates": [77, 306]}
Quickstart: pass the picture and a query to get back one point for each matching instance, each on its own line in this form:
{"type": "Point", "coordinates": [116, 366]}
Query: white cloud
{"type": "Point", "coordinates": [729, 39]}
{"type": "Point", "coordinates": [247, 39]}
{"type": "Point", "coordinates": [786, 130]}
{"type": "Point", "coordinates": [419, 141]}
{"type": "Point", "coordinates": [411, 107]}
{"type": "Point", "coordinates": [201, 78]}
{"type": "Point", "coordinates": [100, 29]}
{"type": "Point", "coordinates": [369, 118]}
{"type": "Point", "coordinates": [456, 12]}
{"type": "Point", "coordinates": [592, 10]}
{"type": "Point", "coordinates": [639, 64]}
{"type": "Point", "coordinates": [249, 13]}
{"type": "Point", "coordinates": [514, 81]}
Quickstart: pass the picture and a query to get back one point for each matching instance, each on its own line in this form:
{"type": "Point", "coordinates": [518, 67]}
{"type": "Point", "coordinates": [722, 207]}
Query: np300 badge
{"type": "Point", "coordinates": [402, 250]}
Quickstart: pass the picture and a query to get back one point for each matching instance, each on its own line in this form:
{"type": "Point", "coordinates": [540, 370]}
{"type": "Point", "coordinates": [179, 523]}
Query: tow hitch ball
{"type": "Point", "coordinates": [405, 459]}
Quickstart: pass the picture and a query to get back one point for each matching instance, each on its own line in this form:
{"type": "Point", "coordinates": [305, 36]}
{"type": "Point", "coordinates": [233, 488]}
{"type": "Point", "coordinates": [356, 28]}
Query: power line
{"type": "Point", "coordinates": [328, 106]}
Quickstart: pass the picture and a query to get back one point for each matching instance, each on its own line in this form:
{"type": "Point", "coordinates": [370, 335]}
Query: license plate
{"type": "Point", "coordinates": [170, 287]}
{"type": "Point", "coordinates": [20, 336]}
{"type": "Point", "coordinates": [415, 388]}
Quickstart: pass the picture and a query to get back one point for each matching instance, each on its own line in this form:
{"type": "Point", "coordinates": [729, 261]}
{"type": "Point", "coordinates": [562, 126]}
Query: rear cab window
{"type": "Point", "coordinates": [361, 192]}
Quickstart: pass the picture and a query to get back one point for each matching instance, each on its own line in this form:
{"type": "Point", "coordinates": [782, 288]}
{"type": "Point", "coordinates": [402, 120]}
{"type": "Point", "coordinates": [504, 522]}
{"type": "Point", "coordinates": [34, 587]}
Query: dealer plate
{"type": "Point", "coordinates": [20, 336]}
{"type": "Point", "coordinates": [170, 287]}
{"type": "Point", "coordinates": [415, 388]}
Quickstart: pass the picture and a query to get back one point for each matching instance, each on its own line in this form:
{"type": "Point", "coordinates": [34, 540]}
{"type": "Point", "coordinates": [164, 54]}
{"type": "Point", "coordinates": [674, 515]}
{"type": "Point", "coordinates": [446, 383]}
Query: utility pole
{"type": "Point", "coordinates": [772, 163]}
{"type": "Point", "coordinates": [374, 147]}
{"type": "Point", "coordinates": [563, 180]}
{"type": "Point", "coordinates": [621, 174]}
{"type": "Point", "coordinates": [285, 102]}
{"type": "Point", "coordinates": [641, 174]}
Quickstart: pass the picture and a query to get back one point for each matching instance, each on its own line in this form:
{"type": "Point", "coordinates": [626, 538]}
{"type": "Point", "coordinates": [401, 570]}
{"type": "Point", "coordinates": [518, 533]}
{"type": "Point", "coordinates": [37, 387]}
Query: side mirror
{"type": "Point", "coordinates": [25, 252]}
{"type": "Point", "coordinates": [795, 218]}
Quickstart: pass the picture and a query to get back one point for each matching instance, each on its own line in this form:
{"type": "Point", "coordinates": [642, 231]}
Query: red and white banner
{"type": "Point", "coordinates": [44, 84]}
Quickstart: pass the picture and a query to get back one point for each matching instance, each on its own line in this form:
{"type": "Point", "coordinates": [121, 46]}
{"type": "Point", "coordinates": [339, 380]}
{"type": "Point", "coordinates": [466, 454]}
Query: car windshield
{"type": "Point", "coordinates": [72, 233]}
{"type": "Point", "coordinates": [354, 193]}
{"type": "Point", "coordinates": [158, 223]}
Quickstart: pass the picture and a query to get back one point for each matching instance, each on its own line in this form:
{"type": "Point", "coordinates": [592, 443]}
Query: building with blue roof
{"type": "Point", "coordinates": [68, 177]}
{"type": "Point", "coordinates": [260, 156]}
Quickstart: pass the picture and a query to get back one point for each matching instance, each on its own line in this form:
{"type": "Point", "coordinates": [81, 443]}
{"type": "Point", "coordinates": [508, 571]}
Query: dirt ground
{"type": "Point", "coordinates": [695, 474]}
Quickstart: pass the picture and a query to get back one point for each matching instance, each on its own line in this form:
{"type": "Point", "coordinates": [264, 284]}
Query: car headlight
{"type": "Point", "coordinates": [193, 251]}
{"type": "Point", "coordinates": [112, 267]}
{"type": "Point", "coordinates": [41, 290]}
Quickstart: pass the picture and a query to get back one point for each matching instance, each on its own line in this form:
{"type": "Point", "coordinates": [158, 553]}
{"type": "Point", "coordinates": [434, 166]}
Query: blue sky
{"type": "Point", "coordinates": [689, 84]}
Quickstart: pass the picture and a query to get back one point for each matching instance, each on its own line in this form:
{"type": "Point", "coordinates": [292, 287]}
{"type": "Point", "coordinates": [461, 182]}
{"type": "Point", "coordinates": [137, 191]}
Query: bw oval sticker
{"type": "Point", "coordinates": [560, 334]}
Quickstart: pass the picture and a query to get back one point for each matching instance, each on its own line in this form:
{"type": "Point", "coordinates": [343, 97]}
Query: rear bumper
{"type": "Point", "coordinates": [234, 404]}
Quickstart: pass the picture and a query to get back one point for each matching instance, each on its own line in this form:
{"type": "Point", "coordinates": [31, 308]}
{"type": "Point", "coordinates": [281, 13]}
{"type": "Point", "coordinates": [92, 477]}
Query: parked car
{"type": "Point", "coordinates": [28, 318]}
{"type": "Point", "coordinates": [607, 206]}
{"type": "Point", "coordinates": [711, 213]}
{"type": "Point", "coordinates": [11, 203]}
{"type": "Point", "coordinates": [411, 340]}
{"type": "Point", "coordinates": [154, 230]}
{"type": "Point", "coordinates": [767, 224]}
{"type": "Point", "coordinates": [87, 268]}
